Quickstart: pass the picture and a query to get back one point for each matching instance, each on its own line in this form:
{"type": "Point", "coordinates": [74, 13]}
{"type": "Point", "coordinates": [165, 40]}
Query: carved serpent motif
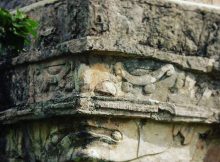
{"type": "Point", "coordinates": [147, 79]}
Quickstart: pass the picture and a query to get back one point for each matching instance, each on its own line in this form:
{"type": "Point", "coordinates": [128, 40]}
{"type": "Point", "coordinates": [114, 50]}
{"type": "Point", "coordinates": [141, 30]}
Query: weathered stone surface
{"type": "Point", "coordinates": [149, 87]}
{"type": "Point", "coordinates": [212, 2]}
{"type": "Point", "coordinates": [137, 27]}
{"type": "Point", "coordinates": [12, 4]}
{"type": "Point", "coordinates": [115, 80]}
{"type": "Point", "coordinates": [106, 139]}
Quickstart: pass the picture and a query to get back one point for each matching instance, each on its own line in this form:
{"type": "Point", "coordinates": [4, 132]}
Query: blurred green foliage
{"type": "Point", "coordinates": [16, 31]}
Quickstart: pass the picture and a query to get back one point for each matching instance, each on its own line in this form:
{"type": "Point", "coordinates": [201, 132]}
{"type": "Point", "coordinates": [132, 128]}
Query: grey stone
{"type": "Point", "coordinates": [115, 80]}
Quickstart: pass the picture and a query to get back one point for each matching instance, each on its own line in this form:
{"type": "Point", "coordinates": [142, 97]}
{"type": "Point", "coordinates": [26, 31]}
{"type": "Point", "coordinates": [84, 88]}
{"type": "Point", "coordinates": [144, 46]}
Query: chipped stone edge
{"type": "Point", "coordinates": [92, 43]}
{"type": "Point", "coordinates": [113, 107]}
{"type": "Point", "coordinates": [88, 46]}
{"type": "Point", "coordinates": [185, 5]}
{"type": "Point", "coordinates": [206, 65]}
{"type": "Point", "coordinates": [195, 4]}
{"type": "Point", "coordinates": [36, 5]}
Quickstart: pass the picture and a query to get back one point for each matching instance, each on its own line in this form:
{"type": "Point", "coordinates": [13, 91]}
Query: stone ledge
{"type": "Point", "coordinates": [125, 33]}
{"type": "Point", "coordinates": [177, 94]}
{"type": "Point", "coordinates": [117, 107]}
{"type": "Point", "coordinates": [88, 46]}
{"type": "Point", "coordinates": [114, 80]}
{"type": "Point", "coordinates": [15, 4]}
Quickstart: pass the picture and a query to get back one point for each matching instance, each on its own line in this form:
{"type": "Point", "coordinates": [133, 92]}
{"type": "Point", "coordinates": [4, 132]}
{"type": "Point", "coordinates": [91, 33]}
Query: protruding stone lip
{"type": "Point", "coordinates": [195, 4]}
{"type": "Point", "coordinates": [83, 46]}
{"type": "Point", "coordinates": [112, 107]}
{"type": "Point", "coordinates": [189, 4]}
{"type": "Point", "coordinates": [36, 5]}
{"type": "Point", "coordinates": [101, 44]}
{"type": "Point", "coordinates": [93, 44]}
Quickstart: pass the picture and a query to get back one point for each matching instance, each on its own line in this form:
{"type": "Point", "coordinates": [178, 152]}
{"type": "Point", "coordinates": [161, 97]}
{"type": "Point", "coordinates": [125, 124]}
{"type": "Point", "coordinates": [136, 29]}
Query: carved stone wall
{"type": "Point", "coordinates": [114, 81]}
{"type": "Point", "coordinates": [110, 139]}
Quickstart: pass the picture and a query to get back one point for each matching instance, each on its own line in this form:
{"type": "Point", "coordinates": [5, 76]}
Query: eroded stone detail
{"type": "Point", "coordinates": [145, 87]}
{"type": "Point", "coordinates": [52, 80]}
{"type": "Point", "coordinates": [147, 80]}
{"type": "Point", "coordinates": [100, 18]}
{"type": "Point", "coordinates": [109, 139]}
{"type": "Point", "coordinates": [114, 80]}
{"type": "Point", "coordinates": [97, 78]}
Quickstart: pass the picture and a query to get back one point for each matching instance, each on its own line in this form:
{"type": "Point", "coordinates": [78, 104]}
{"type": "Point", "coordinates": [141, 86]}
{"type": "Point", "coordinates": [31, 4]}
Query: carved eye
{"type": "Point", "coordinates": [116, 135]}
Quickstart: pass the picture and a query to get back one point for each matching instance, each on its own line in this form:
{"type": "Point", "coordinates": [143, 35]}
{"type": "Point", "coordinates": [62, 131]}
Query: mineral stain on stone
{"type": "Point", "coordinates": [213, 154]}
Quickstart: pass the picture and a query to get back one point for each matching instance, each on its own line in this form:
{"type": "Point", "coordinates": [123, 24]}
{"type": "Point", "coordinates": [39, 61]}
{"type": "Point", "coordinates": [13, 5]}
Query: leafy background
{"type": "Point", "coordinates": [16, 31]}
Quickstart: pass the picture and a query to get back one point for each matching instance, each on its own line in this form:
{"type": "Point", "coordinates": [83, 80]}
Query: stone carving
{"type": "Point", "coordinates": [69, 143]}
{"type": "Point", "coordinates": [147, 80]}
{"type": "Point", "coordinates": [183, 133]}
{"type": "Point", "coordinates": [97, 78]}
{"type": "Point", "coordinates": [53, 80]}
{"type": "Point", "coordinates": [106, 87]}
{"type": "Point", "coordinates": [113, 80]}
{"type": "Point", "coordinates": [107, 139]}
{"type": "Point", "coordinates": [195, 90]}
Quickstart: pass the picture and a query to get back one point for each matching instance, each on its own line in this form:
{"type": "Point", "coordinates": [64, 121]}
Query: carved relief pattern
{"type": "Point", "coordinates": [132, 140]}
{"type": "Point", "coordinates": [53, 80]}
{"type": "Point", "coordinates": [149, 80]}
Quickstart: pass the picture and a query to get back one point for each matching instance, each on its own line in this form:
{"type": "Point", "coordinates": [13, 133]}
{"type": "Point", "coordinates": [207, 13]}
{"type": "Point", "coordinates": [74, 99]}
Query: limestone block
{"type": "Point", "coordinates": [16, 3]}
{"type": "Point", "coordinates": [51, 80]}
{"type": "Point", "coordinates": [108, 139]}
{"type": "Point", "coordinates": [147, 88]}
{"type": "Point", "coordinates": [143, 28]}
{"type": "Point", "coordinates": [114, 80]}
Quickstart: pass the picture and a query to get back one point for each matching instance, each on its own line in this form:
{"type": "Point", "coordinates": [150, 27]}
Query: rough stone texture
{"type": "Point", "coordinates": [16, 4]}
{"type": "Point", "coordinates": [115, 80]}
{"type": "Point", "coordinates": [130, 26]}
{"type": "Point", "coordinates": [213, 2]}
{"type": "Point", "coordinates": [107, 139]}
{"type": "Point", "coordinates": [145, 87]}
